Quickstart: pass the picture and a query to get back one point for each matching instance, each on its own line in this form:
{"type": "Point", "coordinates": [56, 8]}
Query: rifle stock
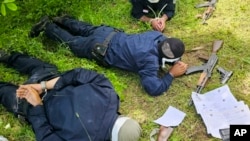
{"type": "Point", "coordinates": [201, 82]}
{"type": "Point", "coordinates": [217, 45]}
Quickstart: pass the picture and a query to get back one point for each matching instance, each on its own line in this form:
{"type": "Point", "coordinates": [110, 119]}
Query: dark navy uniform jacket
{"type": "Point", "coordinates": [139, 53]}
{"type": "Point", "coordinates": [140, 8]}
{"type": "Point", "coordinates": [133, 52]}
{"type": "Point", "coordinates": [83, 106]}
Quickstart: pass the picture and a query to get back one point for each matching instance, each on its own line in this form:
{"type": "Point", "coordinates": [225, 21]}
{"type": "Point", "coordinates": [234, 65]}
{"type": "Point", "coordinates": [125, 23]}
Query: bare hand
{"type": "Point", "coordinates": [161, 24]}
{"type": "Point", "coordinates": [37, 87]}
{"type": "Point", "coordinates": [178, 69]}
{"type": "Point", "coordinates": [164, 133]}
{"type": "Point", "coordinates": [30, 94]}
{"type": "Point", "coordinates": [158, 24]}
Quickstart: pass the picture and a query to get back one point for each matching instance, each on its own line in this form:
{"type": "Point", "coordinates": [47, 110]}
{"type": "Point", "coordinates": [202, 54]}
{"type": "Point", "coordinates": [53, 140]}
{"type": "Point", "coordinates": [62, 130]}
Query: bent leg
{"type": "Point", "coordinates": [35, 68]}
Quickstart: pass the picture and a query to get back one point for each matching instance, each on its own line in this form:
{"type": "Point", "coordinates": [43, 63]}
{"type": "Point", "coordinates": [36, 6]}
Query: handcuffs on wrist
{"type": "Point", "coordinates": [44, 89]}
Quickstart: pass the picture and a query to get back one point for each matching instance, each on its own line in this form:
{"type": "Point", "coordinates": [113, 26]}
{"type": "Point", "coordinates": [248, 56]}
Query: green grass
{"type": "Point", "coordinates": [230, 23]}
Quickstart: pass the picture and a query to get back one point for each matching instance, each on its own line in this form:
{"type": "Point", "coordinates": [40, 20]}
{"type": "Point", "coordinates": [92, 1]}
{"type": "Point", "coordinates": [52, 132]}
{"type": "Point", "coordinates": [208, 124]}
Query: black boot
{"type": "Point", "coordinates": [39, 27]}
{"type": "Point", "coordinates": [4, 56]}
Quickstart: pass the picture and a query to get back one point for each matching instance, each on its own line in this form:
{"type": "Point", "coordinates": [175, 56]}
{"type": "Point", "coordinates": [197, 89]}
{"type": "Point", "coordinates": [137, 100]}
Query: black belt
{"type": "Point", "coordinates": [99, 50]}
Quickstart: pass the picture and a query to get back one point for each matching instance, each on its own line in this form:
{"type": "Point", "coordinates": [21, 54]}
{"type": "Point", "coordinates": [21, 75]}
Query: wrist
{"type": "Point", "coordinates": [171, 74]}
{"type": "Point", "coordinates": [37, 104]}
{"type": "Point", "coordinates": [150, 21]}
{"type": "Point", "coordinates": [43, 86]}
{"type": "Point", "coordinates": [165, 17]}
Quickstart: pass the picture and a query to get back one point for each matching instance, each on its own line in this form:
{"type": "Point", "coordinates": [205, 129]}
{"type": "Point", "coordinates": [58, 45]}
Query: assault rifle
{"type": "Point", "coordinates": [207, 68]}
{"type": "Point", "coordinates": [208, 12]}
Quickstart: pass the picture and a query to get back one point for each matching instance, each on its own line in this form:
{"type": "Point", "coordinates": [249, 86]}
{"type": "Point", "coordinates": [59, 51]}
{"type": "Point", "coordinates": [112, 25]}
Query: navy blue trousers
{"type": "Point", "coordinates": [37, 71]}
{"type": "Point", "coordinates": [80, 36]}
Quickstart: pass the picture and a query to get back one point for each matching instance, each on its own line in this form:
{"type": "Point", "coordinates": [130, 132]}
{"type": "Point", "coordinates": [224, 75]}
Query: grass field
{"type": "Point", "coordinates": [230, 23]}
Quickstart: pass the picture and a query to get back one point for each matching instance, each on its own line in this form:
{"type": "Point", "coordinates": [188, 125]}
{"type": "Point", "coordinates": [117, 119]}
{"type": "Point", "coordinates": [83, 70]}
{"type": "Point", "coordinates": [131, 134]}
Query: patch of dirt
{"type": "Point", "coordinates": [197, 55]}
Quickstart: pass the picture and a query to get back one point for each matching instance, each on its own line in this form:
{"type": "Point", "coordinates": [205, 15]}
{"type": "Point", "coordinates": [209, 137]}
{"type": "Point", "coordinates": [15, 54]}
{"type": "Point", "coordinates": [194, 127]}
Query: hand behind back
{"type": "Point", "coordinates": [30, 94]}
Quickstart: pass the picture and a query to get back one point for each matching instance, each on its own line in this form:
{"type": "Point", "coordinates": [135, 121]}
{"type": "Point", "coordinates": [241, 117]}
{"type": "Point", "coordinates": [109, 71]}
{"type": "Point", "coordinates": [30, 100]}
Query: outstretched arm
{"type": "Point", "coordinates": [155, 85]}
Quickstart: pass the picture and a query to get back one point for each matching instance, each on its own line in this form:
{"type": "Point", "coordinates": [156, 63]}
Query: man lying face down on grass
{"type": "Point", "coordinates": [143, 53]}
{"type": "Point", "coordinates": [77, 105]}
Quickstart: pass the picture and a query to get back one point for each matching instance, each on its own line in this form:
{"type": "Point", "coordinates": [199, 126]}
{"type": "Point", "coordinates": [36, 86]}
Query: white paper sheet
{"type": "Point", "coordinates": [219, 109]}
{"type": "Point", "coordinates": [172, 117]}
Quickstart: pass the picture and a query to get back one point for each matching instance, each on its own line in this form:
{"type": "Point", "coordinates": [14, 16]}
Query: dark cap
{"type": "Point", "coordinates": [171, 48]}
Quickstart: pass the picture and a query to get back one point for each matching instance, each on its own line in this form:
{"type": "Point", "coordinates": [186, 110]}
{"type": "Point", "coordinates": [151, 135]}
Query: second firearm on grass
{"type": "Point", "coordinates": [208, 12]}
